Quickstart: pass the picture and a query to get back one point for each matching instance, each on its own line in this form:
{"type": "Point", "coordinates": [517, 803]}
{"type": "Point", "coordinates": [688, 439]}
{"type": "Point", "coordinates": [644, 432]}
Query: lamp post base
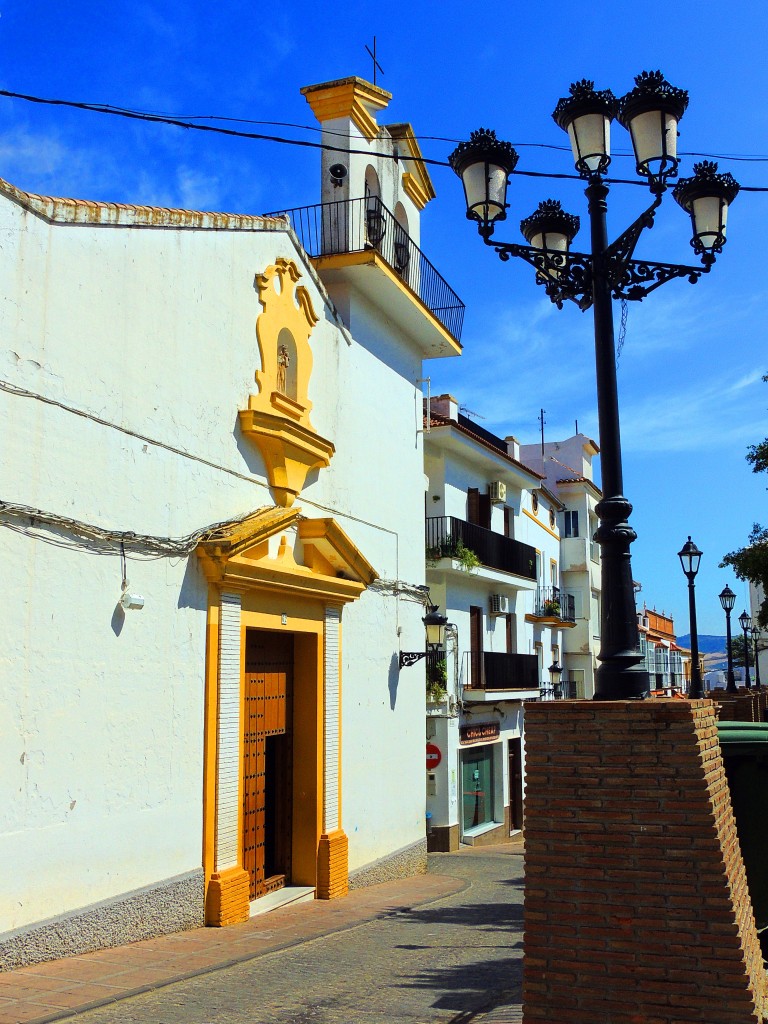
{"type": "Point", "coordinates": [621, 674]}
{"type": "Point", "coordinates": [621, 678]}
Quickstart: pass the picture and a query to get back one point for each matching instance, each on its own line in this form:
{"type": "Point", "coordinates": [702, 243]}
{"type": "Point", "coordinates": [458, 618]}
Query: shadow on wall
{"type": "Point", "coordinates": [194, 586]}
{"type": "Point", "coordinates": [394, 678]}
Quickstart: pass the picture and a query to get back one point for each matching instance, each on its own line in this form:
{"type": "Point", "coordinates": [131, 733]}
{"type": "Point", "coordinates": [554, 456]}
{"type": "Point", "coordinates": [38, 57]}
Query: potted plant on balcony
{"type": "Point", "coordinates": [466, 557]}
{"type": "Point", "coordinates": [437, 681]}
{"type": "Point", "coordinates": [552, 607]}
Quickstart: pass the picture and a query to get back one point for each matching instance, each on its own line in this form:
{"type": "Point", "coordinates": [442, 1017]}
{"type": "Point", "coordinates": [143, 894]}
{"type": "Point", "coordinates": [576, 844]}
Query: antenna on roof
{"type": "Point", "coordinates": [468, 412]}
{"type": "Point", "coordinates": [542, 421]}
{"type": "Point", "coordinates": [375, 62]}
{"type": "Point", "coordinates": [577, 426]}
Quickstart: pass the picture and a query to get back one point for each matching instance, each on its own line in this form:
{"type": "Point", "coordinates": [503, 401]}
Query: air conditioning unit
{"type": "Point", "coordinates": [499, 604]}
{"type": "Point", "coordinates": [498, 491]}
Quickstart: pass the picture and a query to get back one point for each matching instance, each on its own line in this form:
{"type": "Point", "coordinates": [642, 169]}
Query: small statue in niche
{"type": "Point", "coordinates": [283, 362]}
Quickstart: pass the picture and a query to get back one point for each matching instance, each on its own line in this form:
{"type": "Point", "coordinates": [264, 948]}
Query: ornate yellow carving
{"type": "Point", "coordinates": [277, 418]}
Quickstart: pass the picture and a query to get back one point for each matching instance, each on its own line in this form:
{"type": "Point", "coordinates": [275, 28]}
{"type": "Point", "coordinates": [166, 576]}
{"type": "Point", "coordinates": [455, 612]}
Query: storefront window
{"type": "Point", "coordinates": [477, 786]}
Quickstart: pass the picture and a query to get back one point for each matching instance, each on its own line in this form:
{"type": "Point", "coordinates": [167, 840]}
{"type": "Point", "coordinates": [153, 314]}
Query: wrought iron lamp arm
{"type": "Point", "coordinates": [573, 270]}
{"type": "Point", "coordinates": [628, 279]}
{"type": "Point", "coordinates": [620, 251]}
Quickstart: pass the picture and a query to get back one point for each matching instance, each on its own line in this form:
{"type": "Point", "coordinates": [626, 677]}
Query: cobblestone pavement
{"type": "Point", "coordinates": [456, 959]}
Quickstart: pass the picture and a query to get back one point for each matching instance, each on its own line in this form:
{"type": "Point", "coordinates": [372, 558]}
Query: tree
{"type": "Point", "coordinates": [751, 562]}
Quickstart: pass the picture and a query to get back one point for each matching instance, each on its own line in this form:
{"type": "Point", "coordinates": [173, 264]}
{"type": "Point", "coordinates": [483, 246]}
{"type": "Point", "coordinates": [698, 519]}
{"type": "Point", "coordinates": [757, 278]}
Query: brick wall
{"type": "Point", "coordinates": [743, 706]}
{"type": "Point", "coordinates": [636, 901]}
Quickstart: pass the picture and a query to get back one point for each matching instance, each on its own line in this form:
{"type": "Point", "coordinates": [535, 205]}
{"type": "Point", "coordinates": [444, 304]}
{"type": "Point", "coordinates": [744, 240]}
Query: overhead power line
{"type": "Point", "coordinates": [187, 123]}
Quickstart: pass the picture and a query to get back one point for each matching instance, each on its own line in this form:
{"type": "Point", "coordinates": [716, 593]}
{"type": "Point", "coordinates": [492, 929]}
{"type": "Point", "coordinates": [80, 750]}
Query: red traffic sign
{"type": "Point", "coordinates": [434, 756]}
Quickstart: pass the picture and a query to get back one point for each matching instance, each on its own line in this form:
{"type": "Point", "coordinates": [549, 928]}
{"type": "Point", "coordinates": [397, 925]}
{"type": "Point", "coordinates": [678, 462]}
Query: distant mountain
{"type": "Point", "coordinates": [707, 644]}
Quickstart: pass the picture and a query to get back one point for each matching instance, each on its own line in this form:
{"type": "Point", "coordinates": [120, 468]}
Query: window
{"type": "Point", "coordinates": [477, 787]}
{"type": "Point", "coordinates": [571, 524]}
{"type": "Point", "coordinates": [553, 573]}
{"type": "Point", "coordinates": [576, 681]}
{"type": "Point", "coordinates": [538, 650]}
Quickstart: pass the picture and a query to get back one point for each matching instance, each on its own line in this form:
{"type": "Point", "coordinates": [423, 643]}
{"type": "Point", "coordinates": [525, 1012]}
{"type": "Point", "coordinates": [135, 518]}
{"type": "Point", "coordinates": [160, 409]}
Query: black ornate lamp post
{"type": "Point", "coordinates": [690, 558]}
{"type": "Point", "coordinates": [434, 626]}
{"type": "Point", "coordinates": [727, 600]}
{"type": "Point", "coordinates": [651, 113]}
{"type": "Point", "coordinates": [755, 631]}
{"type": "Point", "coordinates": [746, 624]}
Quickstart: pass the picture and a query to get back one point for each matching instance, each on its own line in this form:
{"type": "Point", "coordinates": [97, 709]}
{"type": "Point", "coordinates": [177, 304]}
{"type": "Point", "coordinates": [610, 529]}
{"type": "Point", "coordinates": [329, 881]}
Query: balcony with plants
{"type": "Point", "coordinates": [551, 604]}
{"type": "Point", "coordinates": [470, 547]}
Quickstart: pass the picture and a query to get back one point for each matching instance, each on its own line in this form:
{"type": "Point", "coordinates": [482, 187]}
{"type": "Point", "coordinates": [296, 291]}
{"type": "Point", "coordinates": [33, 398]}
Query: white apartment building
{"type": "Point", "coordinates": [493, 567]}
{"type": "Point", "coordinates": [566, 468]}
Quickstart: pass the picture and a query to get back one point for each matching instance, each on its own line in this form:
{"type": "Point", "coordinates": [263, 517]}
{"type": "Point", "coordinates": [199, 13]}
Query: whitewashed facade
{"type": "Point", "coordinates": [567, 470]}
{"type": "Point", "coordinates": [493, 564]}
{"type": "Point", "coordinates": [164, 371]}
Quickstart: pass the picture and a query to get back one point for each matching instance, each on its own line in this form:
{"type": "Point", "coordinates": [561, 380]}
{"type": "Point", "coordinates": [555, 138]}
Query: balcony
{"type": "Point", "coordinates": [554, 604]}
{"type": "Point", "coordinates": [488, 670]}
{"type": "Point", "coordinates": [448, 537]}
{"type": "Point", "coordinates": [343, 237]}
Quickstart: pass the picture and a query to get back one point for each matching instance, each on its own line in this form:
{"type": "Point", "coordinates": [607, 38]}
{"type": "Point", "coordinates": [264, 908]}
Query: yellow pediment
{"type": "Point", "coordinates": [277, 418]}
{"type": "Point", "coordinates": [278, 547]}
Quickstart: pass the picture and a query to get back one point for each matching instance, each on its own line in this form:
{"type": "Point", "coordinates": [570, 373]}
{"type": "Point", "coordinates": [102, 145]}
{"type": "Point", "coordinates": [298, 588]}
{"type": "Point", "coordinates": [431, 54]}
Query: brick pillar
{"type": "Point", "coordinates": [743, 706]}
{"type": "Point", "coordinates": [332, 866]}
{"type": "Point", "coordinates": [636, 902]}
{"type": "Point", "coordinates": [227, 899]}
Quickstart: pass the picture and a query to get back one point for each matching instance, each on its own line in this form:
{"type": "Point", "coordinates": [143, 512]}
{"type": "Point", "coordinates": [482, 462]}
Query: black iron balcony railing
{"type": "Point", "coordinates": [487, 670]}
{"type": "Point", "coordinates": [552, 602]}
{"type": "Point", "coordinates": [448, 537]}
{"type": "Point", "coordinates": [356, 225]}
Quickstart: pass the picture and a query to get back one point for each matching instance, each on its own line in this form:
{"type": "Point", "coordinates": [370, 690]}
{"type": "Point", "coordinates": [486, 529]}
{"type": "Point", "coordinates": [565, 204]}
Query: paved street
{"type": "Point", "coordinates": [457, 958]}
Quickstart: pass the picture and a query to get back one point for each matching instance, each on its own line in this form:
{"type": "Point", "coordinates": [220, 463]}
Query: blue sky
{"type": "Point", "coordinates": [689, 374]}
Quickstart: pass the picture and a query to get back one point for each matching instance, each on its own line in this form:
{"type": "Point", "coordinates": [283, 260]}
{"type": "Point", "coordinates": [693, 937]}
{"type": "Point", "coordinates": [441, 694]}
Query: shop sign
{"type": "Point", "coordinates": [481, 731]}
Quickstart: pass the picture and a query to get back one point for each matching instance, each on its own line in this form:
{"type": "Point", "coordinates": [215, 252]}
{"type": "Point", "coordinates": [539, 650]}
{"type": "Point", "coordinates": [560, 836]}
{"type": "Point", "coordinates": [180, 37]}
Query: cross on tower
{"type": "Point", "coordinates": [375, 61]}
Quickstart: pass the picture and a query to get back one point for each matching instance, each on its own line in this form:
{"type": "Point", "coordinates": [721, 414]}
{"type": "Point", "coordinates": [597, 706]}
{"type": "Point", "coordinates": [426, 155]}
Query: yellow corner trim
{"type": "Point", "coordinates": [532, 517]}
{"type": "Point", "coordinates": [414, 191]}
{"type": "Point", "coordinates": [412, 157]}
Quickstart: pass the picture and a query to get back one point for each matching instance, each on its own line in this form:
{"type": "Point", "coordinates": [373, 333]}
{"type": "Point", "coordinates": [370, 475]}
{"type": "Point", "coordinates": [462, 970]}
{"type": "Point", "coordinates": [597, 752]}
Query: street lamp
{"type": "Point", "coordinates": [746, 624]}
{"type": "Point", "coordinates": [555, 671]}
{"type": "Point", "coordinates": [484, 163]}
{"type": "Point", "coordinates": [755, 631]}
{"type": "Point", "coordinates": [434, 627]}
{"type": "Point", "coordinates": [727, 600]}
{"type": "Point", "coordinates": [690, 558]}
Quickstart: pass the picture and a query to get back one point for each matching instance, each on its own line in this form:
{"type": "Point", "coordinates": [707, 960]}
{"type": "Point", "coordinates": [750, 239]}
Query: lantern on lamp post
{"type": "Point", "coordinates": [746, 625]}
{"type": "Point", "coordinates": [727, 600]}
{"type": "Point", "coordinates": [755, 632]}
{"type": "Point", "coordinates": [690, 559]}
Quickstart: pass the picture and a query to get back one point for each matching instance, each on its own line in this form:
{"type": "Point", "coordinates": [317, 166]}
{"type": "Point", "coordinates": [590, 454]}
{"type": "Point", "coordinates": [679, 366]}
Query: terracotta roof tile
{"type": "Point", "coordinates": [58, 210]}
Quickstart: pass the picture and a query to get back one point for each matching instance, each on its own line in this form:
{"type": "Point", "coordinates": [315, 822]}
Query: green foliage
{"type": "Point", "coordinates": [751, 563]}
{"type": "Point", "coordinates": [737, 651]}
{"type": "Point", "coordinates": [437, 680]}
{"type": "Point", "coordinates": [466, 557]}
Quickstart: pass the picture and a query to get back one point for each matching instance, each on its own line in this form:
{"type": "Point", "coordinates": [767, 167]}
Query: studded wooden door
{"type": "Point", "coordinates": [267, 760]}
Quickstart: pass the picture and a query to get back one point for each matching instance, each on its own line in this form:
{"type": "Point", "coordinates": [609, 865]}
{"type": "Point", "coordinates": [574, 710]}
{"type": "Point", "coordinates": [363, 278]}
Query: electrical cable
{"type": "Point", "coordinates": [180, 122]}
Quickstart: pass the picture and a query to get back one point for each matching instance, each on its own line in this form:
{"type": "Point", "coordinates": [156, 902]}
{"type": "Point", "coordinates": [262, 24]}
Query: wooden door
{"type": "Point", "coordinates": [267, 760]}
{"type": "Point", "coordinates": [515, 784]}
